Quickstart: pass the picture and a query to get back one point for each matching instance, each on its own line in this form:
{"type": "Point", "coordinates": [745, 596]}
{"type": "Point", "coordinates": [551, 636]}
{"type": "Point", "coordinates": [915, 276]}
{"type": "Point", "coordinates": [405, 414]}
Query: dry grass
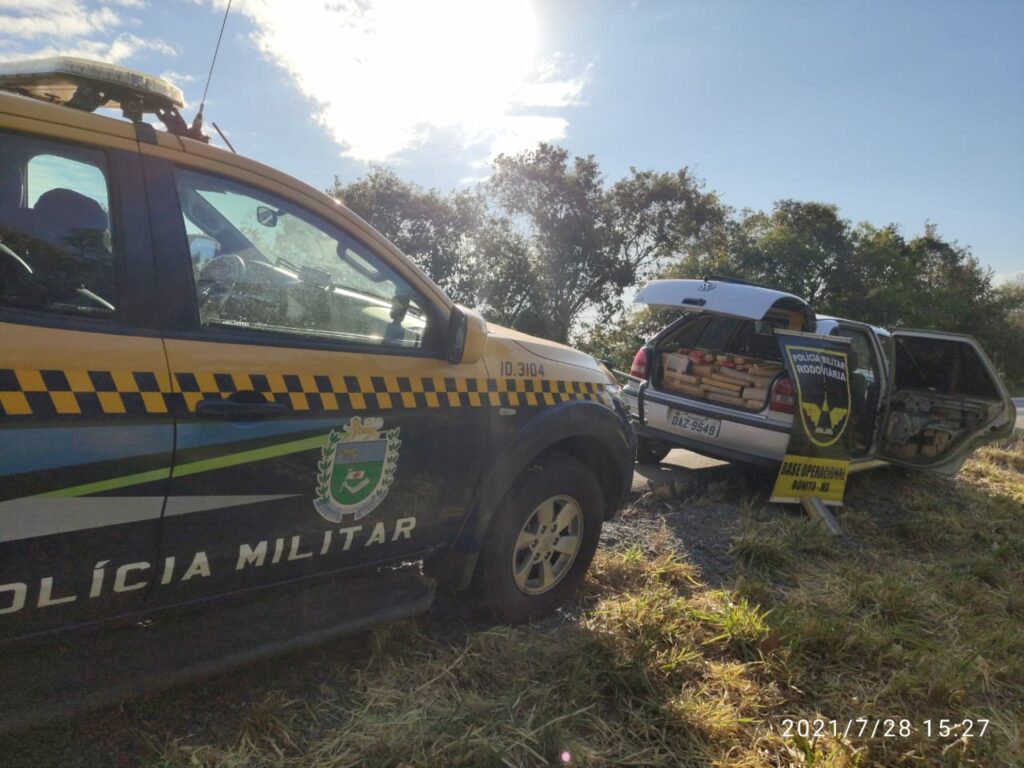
{"type": "Point", "coordinates": [918, 614]}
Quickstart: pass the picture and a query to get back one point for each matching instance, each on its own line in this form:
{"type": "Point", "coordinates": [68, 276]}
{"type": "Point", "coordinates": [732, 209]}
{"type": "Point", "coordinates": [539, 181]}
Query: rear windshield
{"type": "Point", "coordinates": [719, 333]}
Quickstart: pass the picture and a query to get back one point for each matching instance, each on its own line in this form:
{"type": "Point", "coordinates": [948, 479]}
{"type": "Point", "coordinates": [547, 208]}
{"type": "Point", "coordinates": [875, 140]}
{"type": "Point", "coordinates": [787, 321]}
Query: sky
{"type": "Point", "coordinates": [906, 112]}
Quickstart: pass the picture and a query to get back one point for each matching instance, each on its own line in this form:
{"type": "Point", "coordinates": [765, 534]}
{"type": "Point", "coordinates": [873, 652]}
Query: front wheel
{"type": "Point", "coordinates": [541, 541]}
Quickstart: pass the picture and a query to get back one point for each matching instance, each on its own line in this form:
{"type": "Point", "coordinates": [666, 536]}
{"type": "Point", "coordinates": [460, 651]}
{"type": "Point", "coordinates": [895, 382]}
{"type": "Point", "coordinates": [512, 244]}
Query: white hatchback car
{"type": "Point", "coordinates": [923, 399]}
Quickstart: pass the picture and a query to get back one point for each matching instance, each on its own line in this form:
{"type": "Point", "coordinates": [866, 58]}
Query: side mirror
{"type": "Point", "coordinates": [266, 216]}
{"type": "Point", "coordinates": [467, 336]}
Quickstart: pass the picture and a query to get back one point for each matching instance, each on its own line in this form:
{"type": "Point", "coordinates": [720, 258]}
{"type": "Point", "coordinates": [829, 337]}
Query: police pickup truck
{"type": "Point", "coordinates": [235, 419]}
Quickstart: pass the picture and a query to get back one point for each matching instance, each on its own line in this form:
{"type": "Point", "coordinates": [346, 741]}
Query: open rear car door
{"type": "Point", "coordinates": [945, 400]}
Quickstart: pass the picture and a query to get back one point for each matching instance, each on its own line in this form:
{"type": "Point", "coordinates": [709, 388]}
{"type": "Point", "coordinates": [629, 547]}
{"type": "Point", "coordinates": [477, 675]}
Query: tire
{"type": "Point", "coordinates": [651, 451]}
{"type": "Point", "coordinates": [564, 491]}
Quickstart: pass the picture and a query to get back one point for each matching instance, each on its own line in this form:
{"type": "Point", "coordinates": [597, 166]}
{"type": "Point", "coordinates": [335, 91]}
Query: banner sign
{"type": "Point", "coordinates": [818, 457]}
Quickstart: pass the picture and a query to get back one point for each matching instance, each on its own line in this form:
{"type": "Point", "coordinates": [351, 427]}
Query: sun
{"type": "Point", "coordinates": [388, 73]}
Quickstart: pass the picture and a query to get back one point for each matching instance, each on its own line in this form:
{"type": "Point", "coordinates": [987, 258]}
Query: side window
{"type": "Point", "coordinates": [264, 264]}
{"type": "Point", "coordinates": [49, 172]}
{"type": "Point", "coordinates": [942, 366]}
{"type": "Point", "coordinates": [56, 252]}
{"type": "Point", "coordinates": [863, 362]}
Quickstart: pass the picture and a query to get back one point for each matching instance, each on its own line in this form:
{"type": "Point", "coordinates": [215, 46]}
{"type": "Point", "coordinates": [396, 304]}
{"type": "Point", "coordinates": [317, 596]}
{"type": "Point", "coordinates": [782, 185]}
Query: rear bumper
{"type": "Point", "coordinates": [725, 453]}
{"type": "Point", "coordinates": [751, 438]}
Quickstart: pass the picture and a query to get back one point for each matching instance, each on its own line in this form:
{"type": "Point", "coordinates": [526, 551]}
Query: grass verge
{"type": "Point", "coordinates": [917, 615]}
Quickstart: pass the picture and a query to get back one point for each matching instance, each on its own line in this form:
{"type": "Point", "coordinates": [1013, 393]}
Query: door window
{"type": "Point", "coordinates": [944, 395]}
{"type": "Point", "coordinates": [262, 263]}
{"type": "Point", "coordinates": [56, 245]}
{"type": "Point", "coordinates": [942, 366]}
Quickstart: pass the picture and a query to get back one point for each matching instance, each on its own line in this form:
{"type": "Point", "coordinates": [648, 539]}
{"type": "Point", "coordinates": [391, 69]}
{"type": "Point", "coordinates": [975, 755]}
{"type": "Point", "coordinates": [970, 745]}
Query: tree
{"type": "Point", "coordinates": [1005, 343]}
{"type": "Point", "coordinates": [559, 205]}
{"type": "Point", "coordinates": [658, 215]}
{"type": "Point", "coordinates": [802, 248]}
{"type": "Point", "coordinates": [619, 342]}
{"type": "Point", "coordinates": [436, 231]}
{"type": "Point", "coordinates": [587, 242]}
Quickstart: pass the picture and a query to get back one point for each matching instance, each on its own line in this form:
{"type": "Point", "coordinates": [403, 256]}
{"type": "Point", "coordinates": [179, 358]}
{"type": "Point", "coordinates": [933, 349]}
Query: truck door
{"type": "Point", "coordinates": [85, 432]}
{"type": "Point", "coordinates": [318, 427]}
{"type": "Point", "coordinates": [945, 400]}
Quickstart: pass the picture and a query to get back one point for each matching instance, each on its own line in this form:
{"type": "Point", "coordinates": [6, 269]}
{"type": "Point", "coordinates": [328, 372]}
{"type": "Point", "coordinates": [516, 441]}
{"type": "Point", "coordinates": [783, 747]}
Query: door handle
{"type": "Point", "coordinates": [216, 408]}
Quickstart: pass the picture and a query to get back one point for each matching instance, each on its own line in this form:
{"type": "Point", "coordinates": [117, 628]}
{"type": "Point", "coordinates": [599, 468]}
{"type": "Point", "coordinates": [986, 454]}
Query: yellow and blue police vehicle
{"type": "Point", "coordinates": [234, 418]}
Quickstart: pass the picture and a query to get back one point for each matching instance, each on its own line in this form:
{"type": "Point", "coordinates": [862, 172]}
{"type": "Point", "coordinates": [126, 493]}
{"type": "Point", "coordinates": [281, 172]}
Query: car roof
{"type": "Point", "coordinates": [876, 328]}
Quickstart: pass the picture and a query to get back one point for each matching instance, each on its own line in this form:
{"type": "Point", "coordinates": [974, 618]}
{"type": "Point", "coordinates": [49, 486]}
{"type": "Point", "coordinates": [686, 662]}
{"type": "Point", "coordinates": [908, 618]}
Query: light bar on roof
{"type": "Point", "coordinates": [60, 78]}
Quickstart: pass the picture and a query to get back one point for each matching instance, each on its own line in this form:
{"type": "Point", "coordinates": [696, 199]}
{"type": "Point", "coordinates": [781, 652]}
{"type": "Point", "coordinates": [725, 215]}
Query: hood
{"type": "Point", "coordinates": [548, 350]}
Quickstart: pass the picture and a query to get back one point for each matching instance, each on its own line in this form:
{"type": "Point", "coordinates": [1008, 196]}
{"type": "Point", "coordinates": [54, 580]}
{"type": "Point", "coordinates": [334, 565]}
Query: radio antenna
{"type": "Point", "coordinates": [197, 122]}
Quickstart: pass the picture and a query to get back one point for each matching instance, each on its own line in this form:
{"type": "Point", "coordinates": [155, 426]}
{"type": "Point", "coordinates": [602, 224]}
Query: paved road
{"type": "Point", "coordinates": [680, 466]}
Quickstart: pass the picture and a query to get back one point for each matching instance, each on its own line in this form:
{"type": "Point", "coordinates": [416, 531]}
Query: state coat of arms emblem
{"type": "Point", "coordinates": [357, 467]}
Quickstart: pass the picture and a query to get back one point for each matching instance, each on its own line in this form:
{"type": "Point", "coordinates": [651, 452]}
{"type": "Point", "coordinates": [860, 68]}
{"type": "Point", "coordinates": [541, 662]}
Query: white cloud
{"type": "Point", "coordinates": [37, 28]}
{"type": "Point", "coordinates": [518, 132]}
{"type": "Point", "coordinates": [67, 20]}
{"type": "Point", "coordinates": [177, 77]}
{"type": "Point", "coordinates": [561, 93]}
{"type": "Point", "coordinates": [33, 5]}
{"type": "Point", "coordinates": [115, 51]}
{"type": "Point", "coordinates": [387, 75]}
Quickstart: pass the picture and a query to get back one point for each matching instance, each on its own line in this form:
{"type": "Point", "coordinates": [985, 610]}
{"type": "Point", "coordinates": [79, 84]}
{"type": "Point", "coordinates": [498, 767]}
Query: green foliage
{"type": "Point", "coordinates": [619, 341]}
{"type": "Point", "coordinates": [545, 240]}
{"type": "Point", "coordinates": [587, 242]}
{"type": "Point", "coordinates": [438, 232]}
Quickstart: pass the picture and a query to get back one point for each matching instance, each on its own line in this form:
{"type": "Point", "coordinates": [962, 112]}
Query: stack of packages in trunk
{"type": "Point", "coordinates": [730, 379]}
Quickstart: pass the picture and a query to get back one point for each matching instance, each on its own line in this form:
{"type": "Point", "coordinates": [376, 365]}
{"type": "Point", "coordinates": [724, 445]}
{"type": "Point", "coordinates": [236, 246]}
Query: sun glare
{"type": "Point", "coordinates": [390, 74]}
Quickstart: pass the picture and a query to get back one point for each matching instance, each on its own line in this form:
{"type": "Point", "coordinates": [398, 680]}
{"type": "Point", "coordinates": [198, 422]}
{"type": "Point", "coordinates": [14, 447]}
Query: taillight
{"type": "Point", "coordinates": [639, 366]}
{"type": "Point", "coordinates": [782, 399]}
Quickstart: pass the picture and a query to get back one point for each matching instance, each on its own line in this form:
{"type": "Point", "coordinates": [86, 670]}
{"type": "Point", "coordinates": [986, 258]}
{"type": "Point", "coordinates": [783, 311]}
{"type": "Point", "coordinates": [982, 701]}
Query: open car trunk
{"type": "Point", "coordinates": [716, 375]}
{"type": "Point", "coordinates": [724, 350]}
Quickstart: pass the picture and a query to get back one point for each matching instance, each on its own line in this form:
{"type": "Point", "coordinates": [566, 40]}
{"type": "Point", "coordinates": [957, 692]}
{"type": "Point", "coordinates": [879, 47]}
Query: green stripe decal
{"type": "Point", "coordinates": [257, 454]}
{"type": "Point", "coordinates": [192, 468]}
{"type": "Point", "coordinates": [110, 485]}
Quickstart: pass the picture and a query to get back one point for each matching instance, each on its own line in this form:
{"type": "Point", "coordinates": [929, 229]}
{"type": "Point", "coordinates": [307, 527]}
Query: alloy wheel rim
{"type": "Point", "coordinates": [547, 544]}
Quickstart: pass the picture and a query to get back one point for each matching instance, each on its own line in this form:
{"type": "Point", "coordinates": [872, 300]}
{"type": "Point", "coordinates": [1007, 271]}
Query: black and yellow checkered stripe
{"type": "Point", "coordinates": [107, 393]}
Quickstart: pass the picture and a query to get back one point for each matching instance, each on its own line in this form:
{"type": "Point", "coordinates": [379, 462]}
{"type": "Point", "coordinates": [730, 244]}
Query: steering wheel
{"type": "Point", "coordinates": [217, 280]}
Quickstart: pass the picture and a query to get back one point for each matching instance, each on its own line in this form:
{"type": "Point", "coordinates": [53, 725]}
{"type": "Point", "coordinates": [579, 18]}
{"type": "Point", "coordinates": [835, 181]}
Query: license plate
{"type": "Point", "coordinates": [682, 421]}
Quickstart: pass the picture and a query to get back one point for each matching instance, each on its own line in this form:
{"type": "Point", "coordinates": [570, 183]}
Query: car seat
{"type": "Point", "coordinates": [65, 217]}
{"type": "Point", "coordinates": [71, 254]}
